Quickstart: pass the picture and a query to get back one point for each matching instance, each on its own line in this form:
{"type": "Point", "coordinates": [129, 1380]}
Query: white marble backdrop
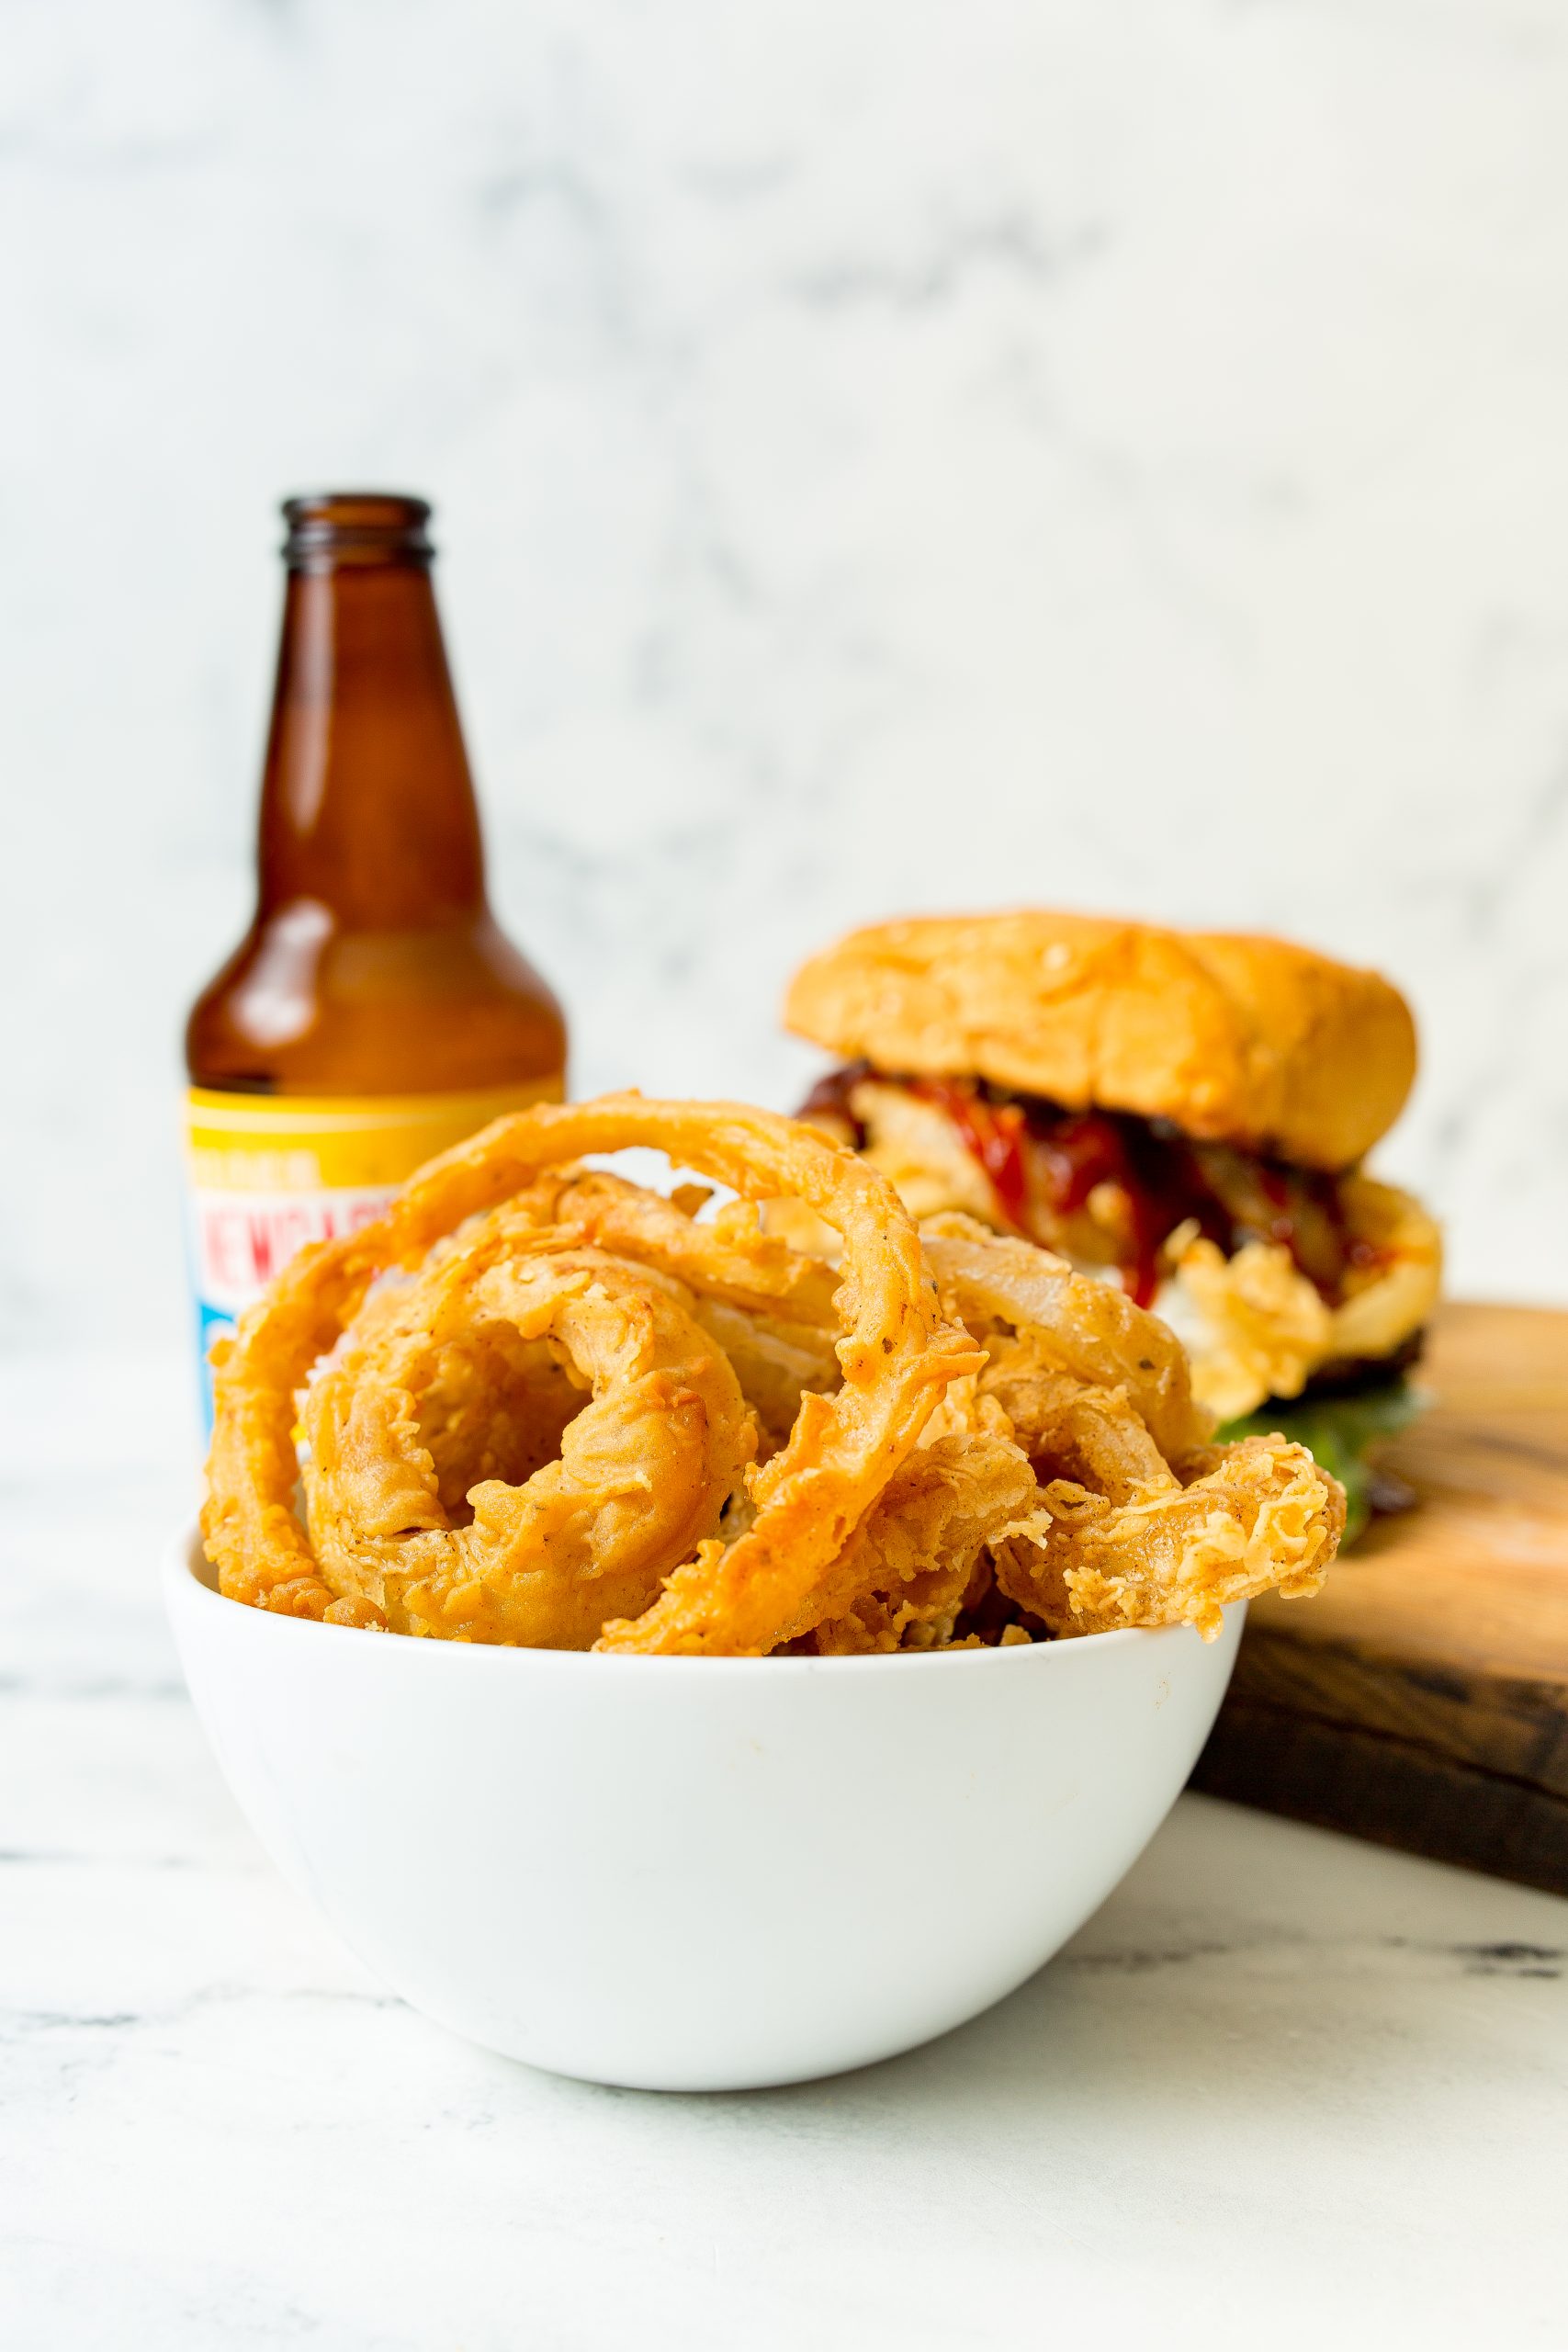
{"type": "Point", "coordinates": [890, 455]}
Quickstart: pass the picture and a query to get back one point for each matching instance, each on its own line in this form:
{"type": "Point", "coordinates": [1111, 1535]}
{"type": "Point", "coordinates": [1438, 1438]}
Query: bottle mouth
{"type": "Point", "coordinates": [329, 527]}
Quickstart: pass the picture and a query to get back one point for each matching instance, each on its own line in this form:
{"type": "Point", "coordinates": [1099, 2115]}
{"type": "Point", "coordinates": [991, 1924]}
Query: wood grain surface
{"type": "Point", "coordinates": [1422, 1699]}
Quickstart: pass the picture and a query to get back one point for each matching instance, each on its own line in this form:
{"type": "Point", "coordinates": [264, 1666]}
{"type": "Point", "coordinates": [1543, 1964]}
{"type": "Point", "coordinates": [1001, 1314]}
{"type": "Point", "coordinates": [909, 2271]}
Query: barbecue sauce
{"type": "Point", "coordinates": [1038, 1157]}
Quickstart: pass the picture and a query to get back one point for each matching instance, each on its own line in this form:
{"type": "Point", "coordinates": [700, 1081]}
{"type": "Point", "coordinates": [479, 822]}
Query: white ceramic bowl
{"type": "Point", "coordinates": [695, 1873]}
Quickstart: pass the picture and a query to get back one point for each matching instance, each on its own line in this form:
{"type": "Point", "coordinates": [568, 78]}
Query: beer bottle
{"type": "Point", "coordinates": [374, 1014]}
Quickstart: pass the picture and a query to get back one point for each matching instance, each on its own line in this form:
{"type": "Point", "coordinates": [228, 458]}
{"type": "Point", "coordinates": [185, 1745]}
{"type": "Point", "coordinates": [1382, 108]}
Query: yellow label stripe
{"type": "Point", "coordinates": [302, 1143]}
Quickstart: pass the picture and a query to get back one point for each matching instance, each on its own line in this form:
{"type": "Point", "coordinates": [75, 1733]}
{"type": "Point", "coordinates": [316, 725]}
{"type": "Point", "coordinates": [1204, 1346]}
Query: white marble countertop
{"type": "Point", "coordinates": [1283, 2088]}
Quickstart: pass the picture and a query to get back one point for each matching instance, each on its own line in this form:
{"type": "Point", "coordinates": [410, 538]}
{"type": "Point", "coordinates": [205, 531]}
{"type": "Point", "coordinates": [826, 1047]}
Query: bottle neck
{"type": "Point", "coordinates": [368, 805]}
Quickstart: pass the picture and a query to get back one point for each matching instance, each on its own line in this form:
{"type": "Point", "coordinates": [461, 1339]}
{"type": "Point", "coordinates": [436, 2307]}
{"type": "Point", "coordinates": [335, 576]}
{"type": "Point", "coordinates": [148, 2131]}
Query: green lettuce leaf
{"type": "Point", "coordinates": [1339, 1432]}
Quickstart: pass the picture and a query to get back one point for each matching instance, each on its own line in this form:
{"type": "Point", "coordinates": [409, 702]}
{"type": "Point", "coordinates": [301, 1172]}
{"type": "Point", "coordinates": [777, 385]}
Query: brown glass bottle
{"type": "Point", "coordinates": [374, 1014]}
{"type": "Point", "coordinates": [373, 963]}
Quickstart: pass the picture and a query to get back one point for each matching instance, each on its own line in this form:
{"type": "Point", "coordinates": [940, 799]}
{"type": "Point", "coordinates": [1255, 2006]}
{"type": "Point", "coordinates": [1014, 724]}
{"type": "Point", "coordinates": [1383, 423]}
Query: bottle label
{"type": "Point", "coordinates": [269, 1172]}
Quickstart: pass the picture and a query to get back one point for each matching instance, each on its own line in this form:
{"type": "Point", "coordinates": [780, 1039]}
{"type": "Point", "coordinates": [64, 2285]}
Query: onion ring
{"type": "Point", "coordinates": [1256, 1325]}
{"type": "Point", "coordinates": [908, 1572]}
{"type": "Point", "coordinates": [1072, 1429]}
{"type": "Point", "coordinates": [490, 1404]}
{"type": "Point", "coordinates": [1089, 1329]}
{"type": "Point", "coordinates": [644, 1472]}
{"type": "Point", "coordinates": [895, 1355]}
{"type": "Point", "coordinates": [1265, 1516]}
{"type": "Point", "coordinates": [1096, 1392]}
{"type": "Point", "coordinates": [729, 1259]}
{"type": "Point", "coordinates": [1392, 1297]}
{"type": "Point", "coordinates": [769, 1306]}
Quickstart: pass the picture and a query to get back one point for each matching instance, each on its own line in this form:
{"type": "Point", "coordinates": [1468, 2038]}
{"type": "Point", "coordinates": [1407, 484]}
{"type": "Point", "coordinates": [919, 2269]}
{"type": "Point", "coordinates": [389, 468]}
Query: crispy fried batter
{"type": "Point", "coordinates": [906, 1574]}
{"type": "Point", "coordinates": [1118, 1538]}
{"type": "Point", "coordinates": [895, 1355]}
{"type": "Point", "coordinates": [1266, 1516]}
{"type": "Point", "coordinates": [531, 1394]}
{"type": "Point", "coordinates": [1071, 1429]}
{"type": "Point", "coordinates": [769, 1306]}
{"type": "Point", "coordinates": [1256, 1326]}
{"type": "Point", "coordinates": [1088, 1329]}
{"type": "Point", "coordinates": [730, 1258]}
{"type": "Point", "coordinates": [644, 1468]}
{"type": "Point", "coordinates": [1259, 1326]}
{"type": "Point", "coordinates": [1394, 1292]}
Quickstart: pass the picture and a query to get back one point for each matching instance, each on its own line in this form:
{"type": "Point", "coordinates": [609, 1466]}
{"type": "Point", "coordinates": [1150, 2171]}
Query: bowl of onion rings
{"type": "Point", "coordinates": [685, 1659]}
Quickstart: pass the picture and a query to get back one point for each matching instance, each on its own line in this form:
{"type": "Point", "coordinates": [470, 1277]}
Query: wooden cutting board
{"type": "Point", "coordinates": [1422, 1699]}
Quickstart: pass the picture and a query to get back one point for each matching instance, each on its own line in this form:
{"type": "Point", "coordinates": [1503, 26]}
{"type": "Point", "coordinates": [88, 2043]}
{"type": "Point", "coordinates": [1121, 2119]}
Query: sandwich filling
{"type": "Point", "coordinates": [1284, 1281]}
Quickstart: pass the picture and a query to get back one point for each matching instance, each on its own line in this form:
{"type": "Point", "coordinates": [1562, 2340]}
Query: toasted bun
{"type": "Point", "coordinates": [1239, 1040]}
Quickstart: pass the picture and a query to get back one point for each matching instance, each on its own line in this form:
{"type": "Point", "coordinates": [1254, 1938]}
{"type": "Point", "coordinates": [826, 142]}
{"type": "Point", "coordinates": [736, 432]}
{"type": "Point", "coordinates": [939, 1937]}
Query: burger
{"type": "Point", "coordinates": [1185, 1112]}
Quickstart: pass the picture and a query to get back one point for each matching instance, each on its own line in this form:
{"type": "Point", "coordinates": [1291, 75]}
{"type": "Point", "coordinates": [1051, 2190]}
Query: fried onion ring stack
{"type": "Point", "coordinates": [535, 1404]}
